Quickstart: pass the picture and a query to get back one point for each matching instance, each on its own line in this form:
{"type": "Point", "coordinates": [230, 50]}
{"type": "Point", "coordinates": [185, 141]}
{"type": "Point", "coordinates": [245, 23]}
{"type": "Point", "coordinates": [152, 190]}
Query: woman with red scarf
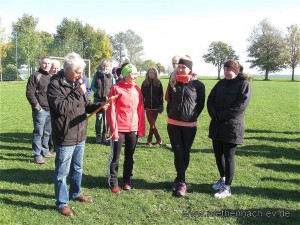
{"type": "Point", "coordinates": [186, 99]}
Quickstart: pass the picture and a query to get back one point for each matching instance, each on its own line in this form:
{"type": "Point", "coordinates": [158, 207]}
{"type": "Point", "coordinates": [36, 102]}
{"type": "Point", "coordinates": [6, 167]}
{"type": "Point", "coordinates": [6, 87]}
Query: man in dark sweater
{"type": "Point", "coordinates": [36, 93]}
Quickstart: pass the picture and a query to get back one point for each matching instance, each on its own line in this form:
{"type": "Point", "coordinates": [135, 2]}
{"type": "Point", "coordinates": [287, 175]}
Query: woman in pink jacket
{"type": "Point", "coordinates": [126, 120]}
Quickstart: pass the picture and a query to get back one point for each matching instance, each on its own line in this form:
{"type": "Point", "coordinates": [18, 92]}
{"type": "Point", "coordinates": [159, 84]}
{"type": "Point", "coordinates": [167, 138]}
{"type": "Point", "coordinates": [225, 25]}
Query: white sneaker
{"type": "Point", "coordinates": [224, 192]}
{"type": "Point", "coordinates": [217, 186]}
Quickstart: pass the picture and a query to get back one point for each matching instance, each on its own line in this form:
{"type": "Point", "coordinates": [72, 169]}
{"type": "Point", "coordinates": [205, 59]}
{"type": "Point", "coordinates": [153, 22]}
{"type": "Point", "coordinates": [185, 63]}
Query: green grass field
{"type": "Point", "coordinates": [265, 187]}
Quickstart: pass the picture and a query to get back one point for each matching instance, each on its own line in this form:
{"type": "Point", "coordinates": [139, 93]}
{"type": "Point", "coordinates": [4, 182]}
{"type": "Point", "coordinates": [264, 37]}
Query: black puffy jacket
{"type": "Point", "coordinates": [187, 102]}
{"type": "Point", "coordinates": [226, 105]}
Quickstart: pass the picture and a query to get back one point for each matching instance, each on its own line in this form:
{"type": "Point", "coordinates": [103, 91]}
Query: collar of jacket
{"type": "Point", "coordinates": [43, 71]}
{"type": "Point", "coordinates": [63, 80]}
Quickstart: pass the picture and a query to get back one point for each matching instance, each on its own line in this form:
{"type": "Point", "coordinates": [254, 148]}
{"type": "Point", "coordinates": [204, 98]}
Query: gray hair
{"type": "Point", "coordinates": [44, 57]}
{"type": "Point", "coordinates": [73, 61]}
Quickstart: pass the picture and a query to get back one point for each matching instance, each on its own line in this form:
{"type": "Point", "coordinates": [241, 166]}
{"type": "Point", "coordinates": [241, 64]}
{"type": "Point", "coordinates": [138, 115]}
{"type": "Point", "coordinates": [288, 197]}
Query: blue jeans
{"type": "Point", "coordinates": [68, 161]}
{"type": "Point", "coordinates": [41, 133]}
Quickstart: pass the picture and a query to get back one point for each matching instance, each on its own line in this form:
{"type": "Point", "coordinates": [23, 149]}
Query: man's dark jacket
{"type": "Point", "coordinates": [68, 109]}
{"type": "Point", "coordinates": [36, 90]}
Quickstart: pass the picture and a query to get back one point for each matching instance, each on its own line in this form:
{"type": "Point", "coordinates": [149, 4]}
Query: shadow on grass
{"type": "Point", "coordinates": [251, 216]}
{"type": "Point", "coordinates": [268, 152]}
{"type": "Point", "coordinates": [295, 181]}
{"type": "Point", "coordinates": [16, 137]}
{"type": "Point", "coordinates": [27, 177]}
{"type": "Point", "coordinates": [268, 216]}
{"type": "Point", "coordinates": [31, 205]}
{"type": "Point", "coordinates": [270, 131]}
{"type": "Point", "coordinates": [270, 193]}
{"type": "Point", "coordinates": [9, 147]}
{"type": "Point", "coordinates": [290, 168]}
{"type": "Point", "coordinates": [25, 193]}
{"type": "Point", "coordinates": [274, 139]}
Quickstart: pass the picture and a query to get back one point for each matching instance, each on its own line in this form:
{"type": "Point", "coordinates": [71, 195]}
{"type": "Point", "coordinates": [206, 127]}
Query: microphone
{"type": "Point", "coordinates": [80, 82]}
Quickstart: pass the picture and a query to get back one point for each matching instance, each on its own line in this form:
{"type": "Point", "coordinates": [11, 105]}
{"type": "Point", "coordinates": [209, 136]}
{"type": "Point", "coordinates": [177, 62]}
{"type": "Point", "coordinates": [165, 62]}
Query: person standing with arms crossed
{"type": "Point", "coordinates": [226, 105]}
{"type": "Point", "coordinates": [126, 119]}
{"type": "Point", "coordinates": [186, 99]}
{"type": "Point", "coordinates": [68, 107]}
{"type": "Point", "coordinates": [36, 93]}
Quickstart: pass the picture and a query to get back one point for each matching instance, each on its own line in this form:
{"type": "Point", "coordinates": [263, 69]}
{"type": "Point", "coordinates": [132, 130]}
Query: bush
{"type": "Point", "coordinates": [10, 73]}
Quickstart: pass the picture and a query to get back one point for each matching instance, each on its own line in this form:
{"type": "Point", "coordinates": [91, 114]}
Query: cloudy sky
{"type": "Point", "coordinates": [167, 27]}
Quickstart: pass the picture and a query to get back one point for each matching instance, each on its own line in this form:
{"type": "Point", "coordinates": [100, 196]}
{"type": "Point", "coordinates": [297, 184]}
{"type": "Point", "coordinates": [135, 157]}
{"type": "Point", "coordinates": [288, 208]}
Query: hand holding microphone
{"type": "Point", "coordinates": [82, 88]}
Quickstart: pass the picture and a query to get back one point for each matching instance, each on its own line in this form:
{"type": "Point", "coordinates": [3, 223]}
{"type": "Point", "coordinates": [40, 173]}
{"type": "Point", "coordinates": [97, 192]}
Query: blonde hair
{"type": "Point", "coordinates": [156, 81]}
{"type": "Point", "coordinates": [103, 62]}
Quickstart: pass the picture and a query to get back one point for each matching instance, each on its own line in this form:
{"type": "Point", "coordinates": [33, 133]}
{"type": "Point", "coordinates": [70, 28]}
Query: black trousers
{"type": "Point", "coordinates": [181, 139]}
{"type": "Point", "coordinates": [113, 161]}
{"type": "Point", "coordinates": [224, 153]}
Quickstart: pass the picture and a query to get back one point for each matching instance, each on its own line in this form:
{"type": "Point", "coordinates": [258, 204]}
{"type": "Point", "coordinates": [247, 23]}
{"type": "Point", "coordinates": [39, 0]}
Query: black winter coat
{"type": "Point", "coordinates": [36, 90]}
{"type": "Point", "coordinates": [152, 95]}
{"type": "Point", "coordinates": [187, 102]}
{"type": "Point", "coordinates": [226, 105]}
{"type": "Point", "coordinates": [68, 110]}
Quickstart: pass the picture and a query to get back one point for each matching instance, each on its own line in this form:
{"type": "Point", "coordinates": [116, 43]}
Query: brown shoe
{"type": "Point", "coordinates": [83, 198]}
{"type": "Point", "coordinates": [66, 211]}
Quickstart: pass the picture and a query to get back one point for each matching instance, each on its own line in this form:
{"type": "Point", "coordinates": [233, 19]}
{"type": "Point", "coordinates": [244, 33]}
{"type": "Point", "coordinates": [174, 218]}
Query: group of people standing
{"type": "Point", "coordinates": [123, 108]}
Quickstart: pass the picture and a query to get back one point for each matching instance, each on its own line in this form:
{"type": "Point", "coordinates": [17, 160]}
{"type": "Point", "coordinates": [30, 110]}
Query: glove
{"type": "Point", "coordinates": [160, 108]}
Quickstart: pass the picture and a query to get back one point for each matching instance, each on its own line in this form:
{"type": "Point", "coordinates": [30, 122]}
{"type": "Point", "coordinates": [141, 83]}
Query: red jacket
{"type": "Point", "coordinates": [126, 113]}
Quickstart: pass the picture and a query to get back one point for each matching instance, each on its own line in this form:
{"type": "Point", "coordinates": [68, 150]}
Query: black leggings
{"type": "Point", "coordinates": [224, 153]}
{"type": "Point", "coordinates": [181, 139]}
{"type": "Point", "coordinates": [113, 161]}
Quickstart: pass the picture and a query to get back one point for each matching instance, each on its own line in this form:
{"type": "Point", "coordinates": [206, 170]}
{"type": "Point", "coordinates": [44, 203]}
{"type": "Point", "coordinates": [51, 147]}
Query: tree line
{"type": "Point", "coordinates": [268, 51]}
{"type": "Point", "coordinates": [27, 46]}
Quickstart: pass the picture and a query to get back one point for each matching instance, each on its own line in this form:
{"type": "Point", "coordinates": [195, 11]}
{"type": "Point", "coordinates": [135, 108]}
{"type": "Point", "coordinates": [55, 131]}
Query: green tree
{"type": "Point", "coordinates": [267, 49]}
{"type": "Point", "coordinates": [160, 68]}
{"type": "Point", "coordinates": [147, 64]}
{"type": "Point", "coordinates": [293, 47]}
{"type": "Point", "coordinates": [127, 45]}
{"type": "Point", "coordinates": [26, 40]}
{"type": "Point", "coordinates": [67, 37]}
{"type": "Point", "coordinates": [134, 46]}
{"type": "Point", "coordinates": [84, 39]}
{"type": "Point", "coordinates": [218, 53]}
{"type": "Point", "coordinates": [46, 42]}
{"type": "Point", "coordinates": [118, 47]}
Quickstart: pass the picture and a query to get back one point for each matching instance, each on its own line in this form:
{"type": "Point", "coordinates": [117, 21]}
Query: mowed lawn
{"type": "Point", "coordinates": [265, 187]}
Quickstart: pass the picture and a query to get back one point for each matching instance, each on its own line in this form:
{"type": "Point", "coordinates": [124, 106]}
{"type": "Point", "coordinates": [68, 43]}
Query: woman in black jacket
{"type": "Point", "coordinates": [152, 91]}
{"type": "Point", "coordinates": [226, 105]}
{"type": "Point", "coordinates": [186, 99]}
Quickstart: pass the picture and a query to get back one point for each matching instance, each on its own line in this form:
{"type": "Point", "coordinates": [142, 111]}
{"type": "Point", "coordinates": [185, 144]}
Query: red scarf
{"type": "Point", "coordinates": [183, 78]}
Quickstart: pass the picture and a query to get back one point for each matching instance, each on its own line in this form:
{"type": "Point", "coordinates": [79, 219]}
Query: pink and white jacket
{"type": "Point", "coordinates": [126, 113]}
